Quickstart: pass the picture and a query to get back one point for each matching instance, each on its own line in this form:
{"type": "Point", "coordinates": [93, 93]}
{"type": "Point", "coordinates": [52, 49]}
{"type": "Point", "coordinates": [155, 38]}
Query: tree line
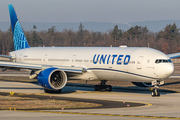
{"type": "Point", "coordinates": [166, 40]}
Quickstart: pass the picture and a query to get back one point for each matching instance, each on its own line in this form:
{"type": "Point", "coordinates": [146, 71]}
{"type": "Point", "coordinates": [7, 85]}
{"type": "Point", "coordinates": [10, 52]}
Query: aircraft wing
{"type": "Point", "coordinates": [6, 56]}
{"type": "Point", "coordinates": [174, 55]}
{"type": "Point", "coordinates": [15, 65]}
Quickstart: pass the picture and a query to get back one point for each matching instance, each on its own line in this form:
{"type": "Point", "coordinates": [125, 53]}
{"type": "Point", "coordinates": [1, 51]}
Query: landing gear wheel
{"type": "Point", "coordinates": [96, 88]}
{"type": "Point", "coordinates": [108, 88]}
{"type": "Point", "coordinates": [103, 87]}
{"type": "Point", "coordinates": [99, 88]}
{"type": "Point", "coordinates": [156, 84]}
{"type": "Point", "coordinates": [58, 91]}
{"type": "Point", "coordinates": [46, 90]}
{"type": "Point", "coordinates": [155, 92]}
{"type": "Point", "coordinates": [52, 91]}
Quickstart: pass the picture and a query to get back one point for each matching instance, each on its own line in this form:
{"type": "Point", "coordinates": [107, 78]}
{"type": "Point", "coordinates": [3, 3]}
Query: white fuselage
{"type": "Point", "coordinates": [102, 63]}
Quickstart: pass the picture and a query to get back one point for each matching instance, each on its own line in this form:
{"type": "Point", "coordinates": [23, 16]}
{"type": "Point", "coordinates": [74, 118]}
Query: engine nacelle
{"type": "Point", "coordinates": [52, 78]}
{"type": "Point", "coordinates": [143, 84]}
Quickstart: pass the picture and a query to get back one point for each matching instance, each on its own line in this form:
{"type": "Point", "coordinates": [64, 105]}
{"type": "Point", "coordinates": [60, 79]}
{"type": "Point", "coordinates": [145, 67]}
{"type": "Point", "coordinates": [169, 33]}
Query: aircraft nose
{"type": "Point", "coordinates": [164, 70]}
{"type": "Point", "coordinates": [169, 69]}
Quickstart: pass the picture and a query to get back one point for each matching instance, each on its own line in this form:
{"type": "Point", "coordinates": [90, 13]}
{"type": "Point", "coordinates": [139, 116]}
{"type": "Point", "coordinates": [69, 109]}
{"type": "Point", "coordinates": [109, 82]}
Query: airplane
{"type": "Point", "coordinates": [54, 66]}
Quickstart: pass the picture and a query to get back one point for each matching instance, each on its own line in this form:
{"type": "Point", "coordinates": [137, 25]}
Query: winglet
{"type": "Point", "coordinates": [19, 38]}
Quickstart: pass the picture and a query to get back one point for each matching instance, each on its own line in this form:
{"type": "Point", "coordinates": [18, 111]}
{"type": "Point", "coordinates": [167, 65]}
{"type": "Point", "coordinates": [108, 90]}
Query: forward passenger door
{"type": "Point", "coordinates": [139, 62]}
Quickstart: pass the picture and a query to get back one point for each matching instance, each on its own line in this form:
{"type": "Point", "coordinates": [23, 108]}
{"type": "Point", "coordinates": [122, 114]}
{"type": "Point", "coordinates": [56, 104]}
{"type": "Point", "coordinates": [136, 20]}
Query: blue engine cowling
{"type": "Point", "coordinates": [52, 78]}
{"type": "Point", "coordinates": [142, 84]}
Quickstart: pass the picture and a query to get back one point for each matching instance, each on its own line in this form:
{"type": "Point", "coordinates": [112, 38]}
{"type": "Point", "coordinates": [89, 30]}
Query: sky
{"type": "Point", "coordinates": [114, 11]}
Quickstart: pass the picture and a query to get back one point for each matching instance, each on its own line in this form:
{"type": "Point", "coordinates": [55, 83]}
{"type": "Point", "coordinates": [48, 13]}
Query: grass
{"type": "Point", "coordinates": [34, 103]}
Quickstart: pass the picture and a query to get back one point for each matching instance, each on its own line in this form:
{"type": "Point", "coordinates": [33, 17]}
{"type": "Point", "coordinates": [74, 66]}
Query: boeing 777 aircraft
{"type": "Point", "coordinates": [53, 66]}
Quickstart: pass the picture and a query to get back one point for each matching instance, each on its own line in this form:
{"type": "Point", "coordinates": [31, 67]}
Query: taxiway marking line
{"type": "Point", "coordinates": [101, 114]}
{"type": "Point", "coordinates": [46, 94]}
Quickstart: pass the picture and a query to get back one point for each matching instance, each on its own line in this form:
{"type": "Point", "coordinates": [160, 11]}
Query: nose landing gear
{"type": "Point", "coordinates": [103, 86]}
{"type": "Point", "coordinates": [155, 91]}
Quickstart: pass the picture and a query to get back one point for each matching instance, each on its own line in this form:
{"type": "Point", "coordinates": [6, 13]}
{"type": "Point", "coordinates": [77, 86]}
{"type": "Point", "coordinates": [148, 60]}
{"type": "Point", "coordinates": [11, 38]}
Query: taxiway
{"type": "Point", "coordinates": [166, 106]}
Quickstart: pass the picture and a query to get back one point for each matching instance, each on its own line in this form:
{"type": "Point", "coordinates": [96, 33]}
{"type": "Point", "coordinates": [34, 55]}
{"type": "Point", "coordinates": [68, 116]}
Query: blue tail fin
{"type": "Point", "coordinates": [19, 38]}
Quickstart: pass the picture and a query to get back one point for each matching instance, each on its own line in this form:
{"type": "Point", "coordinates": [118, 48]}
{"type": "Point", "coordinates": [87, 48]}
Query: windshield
{"type": "Point", "coordinates": [163, 61]}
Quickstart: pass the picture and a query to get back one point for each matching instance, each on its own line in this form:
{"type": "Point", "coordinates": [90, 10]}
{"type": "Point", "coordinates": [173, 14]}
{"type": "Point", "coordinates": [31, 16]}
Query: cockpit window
{"type": "Point", "coordinates": [169, 60]}
{"type": "Point", "coordinates": [163, 61]}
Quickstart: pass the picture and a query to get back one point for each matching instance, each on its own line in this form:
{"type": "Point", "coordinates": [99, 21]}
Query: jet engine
{"type": "Point", "coordinates": [143, 84]}
{"type": "Point", "coordinates": [52, 78]}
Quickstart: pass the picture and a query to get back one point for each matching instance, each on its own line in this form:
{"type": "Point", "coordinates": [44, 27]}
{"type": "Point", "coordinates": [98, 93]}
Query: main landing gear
{"type": "Point", "coordinates": [52, 91]}
{"type": "Point", "coordinates": [103, 86]}
{"type": "Point", "coordinates": [155, 91]}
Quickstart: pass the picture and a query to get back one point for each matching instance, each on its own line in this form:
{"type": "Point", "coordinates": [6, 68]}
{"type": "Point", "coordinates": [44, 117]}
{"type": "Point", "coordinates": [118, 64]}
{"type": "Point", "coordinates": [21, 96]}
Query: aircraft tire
{"type": "Point", "coordinates": [58, 91]}
{"type": "Point", "coordinates": [108, 88]}
{"type": "Point", "coordinates": [153, 93]}
{"type": "Point", "coordinates": [99, 88]}
{"type": "Point", "coordinates": [102, 88]}
{"type": "Point", "coordinates": [157, 93]}
{"type": "Point", "coordinates": [96, 88]}
{"type": "Point", "coordinates": [46, 90]}
{"type": "Point", "coordinates": [52, 91]}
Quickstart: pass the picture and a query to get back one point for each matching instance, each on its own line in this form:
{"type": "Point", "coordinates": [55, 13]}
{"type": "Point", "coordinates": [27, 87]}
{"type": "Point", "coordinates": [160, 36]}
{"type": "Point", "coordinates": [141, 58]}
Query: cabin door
{"type": "Point", "coordinates": [73, 60]}
{"type": "Point", "coordinates": [139, 62]}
